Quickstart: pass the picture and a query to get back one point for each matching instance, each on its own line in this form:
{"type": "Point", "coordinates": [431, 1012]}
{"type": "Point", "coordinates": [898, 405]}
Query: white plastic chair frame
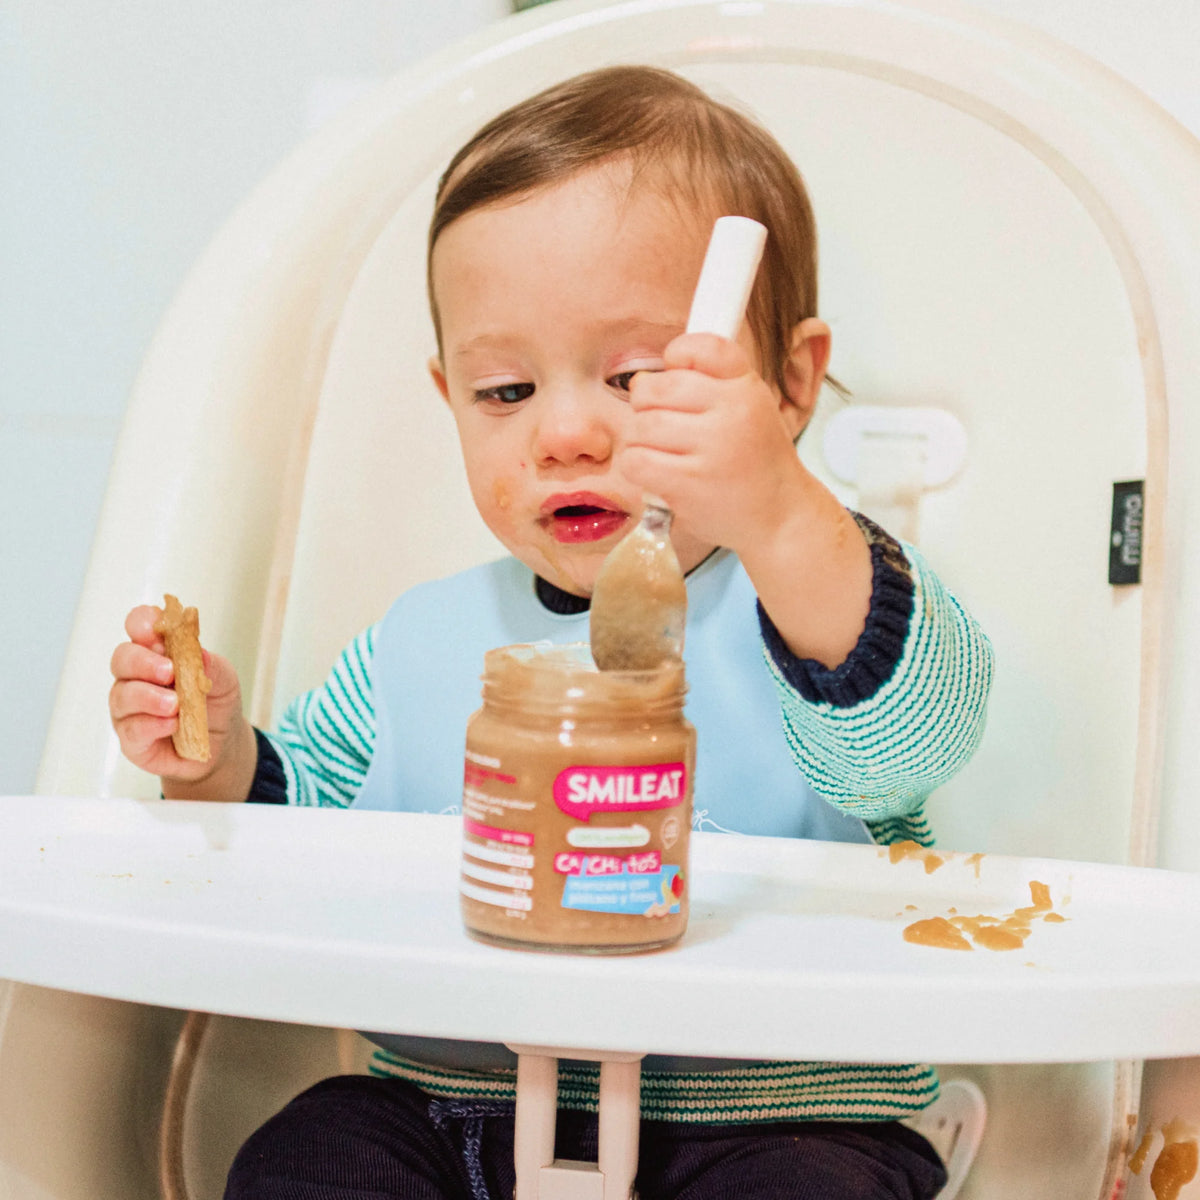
{"type": "Point", "coordinates": [280, 271]}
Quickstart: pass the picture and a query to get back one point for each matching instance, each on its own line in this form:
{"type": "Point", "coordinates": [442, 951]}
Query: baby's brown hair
{"type": "Point", "coordinates": [677, 138]}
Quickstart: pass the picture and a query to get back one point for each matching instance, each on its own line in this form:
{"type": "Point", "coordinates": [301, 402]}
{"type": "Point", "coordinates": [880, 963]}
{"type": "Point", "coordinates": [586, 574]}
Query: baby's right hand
{"type": "Point", "coordinates": [144, 708]}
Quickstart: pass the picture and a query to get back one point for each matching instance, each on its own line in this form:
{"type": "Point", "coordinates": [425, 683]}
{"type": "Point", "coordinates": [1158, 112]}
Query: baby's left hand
{"type": "Point", "coordinates": [711, 438]}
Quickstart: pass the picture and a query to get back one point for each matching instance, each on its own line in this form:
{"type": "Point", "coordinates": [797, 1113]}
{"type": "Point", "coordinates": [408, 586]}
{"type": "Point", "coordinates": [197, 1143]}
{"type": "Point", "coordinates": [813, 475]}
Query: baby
{"type": "Point", "coordinates": [834, 682]}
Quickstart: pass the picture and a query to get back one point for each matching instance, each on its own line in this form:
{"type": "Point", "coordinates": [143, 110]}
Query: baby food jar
{"type": "Point", "coordinates": [577, 804]}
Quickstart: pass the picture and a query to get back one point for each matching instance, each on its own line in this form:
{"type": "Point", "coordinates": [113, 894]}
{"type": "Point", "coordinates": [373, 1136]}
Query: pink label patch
{"type": "Point", "coordinates": [475, 775]}
{"type": "Point", "coordinates": [582, 791]}
{"type": "Point", "coordinates": [506, 837]}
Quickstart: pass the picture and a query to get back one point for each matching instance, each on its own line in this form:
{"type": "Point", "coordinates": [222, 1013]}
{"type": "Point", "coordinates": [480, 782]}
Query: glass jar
{"type": "Point", "coordinates": [577, 804]}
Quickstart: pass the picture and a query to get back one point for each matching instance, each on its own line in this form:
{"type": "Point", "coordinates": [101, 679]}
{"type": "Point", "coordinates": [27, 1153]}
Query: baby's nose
{"type": "Point", "coordinates": [572, 426]}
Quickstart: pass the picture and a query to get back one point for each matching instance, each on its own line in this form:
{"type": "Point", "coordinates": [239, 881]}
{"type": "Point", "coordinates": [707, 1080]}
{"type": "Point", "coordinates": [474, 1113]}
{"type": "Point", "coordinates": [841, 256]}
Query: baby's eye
{"type": "Point", "coordinates": [621, 381]}
{"type": "Point", "coordinates": [505, 393]}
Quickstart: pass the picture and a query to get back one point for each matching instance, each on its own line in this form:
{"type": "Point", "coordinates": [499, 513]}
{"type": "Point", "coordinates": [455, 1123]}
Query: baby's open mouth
{"type": "Point", "coordinates": [582, 522]}
{"type": "Point", "coordinates": [579, 510]}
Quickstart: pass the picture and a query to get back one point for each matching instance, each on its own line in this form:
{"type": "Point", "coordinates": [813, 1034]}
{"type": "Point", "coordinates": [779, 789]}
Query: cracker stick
{"type": "Point", "coordinates": [179, 628]}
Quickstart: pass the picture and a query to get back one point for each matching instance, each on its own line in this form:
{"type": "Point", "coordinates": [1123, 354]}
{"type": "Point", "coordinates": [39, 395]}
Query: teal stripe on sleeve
{"type": "Point", "coordinates": [326, 737]}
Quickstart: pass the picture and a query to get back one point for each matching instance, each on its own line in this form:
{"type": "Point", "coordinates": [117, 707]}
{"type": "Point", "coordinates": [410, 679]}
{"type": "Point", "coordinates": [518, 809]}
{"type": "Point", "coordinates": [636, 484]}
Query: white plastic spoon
{"type": "Point", "coordinates": [639, 602]}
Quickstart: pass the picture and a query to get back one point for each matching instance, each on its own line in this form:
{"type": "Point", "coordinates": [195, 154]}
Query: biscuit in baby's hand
{"type": "Point", "coordinates": [179, 629]}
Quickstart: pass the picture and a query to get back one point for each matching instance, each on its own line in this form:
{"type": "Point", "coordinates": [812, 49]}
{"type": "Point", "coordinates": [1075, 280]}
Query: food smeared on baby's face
{"type": "Point", "coordinates": [502, 495]}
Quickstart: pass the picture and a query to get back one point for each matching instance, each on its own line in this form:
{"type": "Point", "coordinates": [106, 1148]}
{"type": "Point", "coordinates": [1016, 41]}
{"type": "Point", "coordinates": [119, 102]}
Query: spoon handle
{"type": "Point", "coordinates": [730, 265]}
{"type": "Point", "coordinates": [723, 290]}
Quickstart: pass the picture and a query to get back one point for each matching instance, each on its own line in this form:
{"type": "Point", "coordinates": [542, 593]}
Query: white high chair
{"type": "Point", "coordinates": [1009, 233]}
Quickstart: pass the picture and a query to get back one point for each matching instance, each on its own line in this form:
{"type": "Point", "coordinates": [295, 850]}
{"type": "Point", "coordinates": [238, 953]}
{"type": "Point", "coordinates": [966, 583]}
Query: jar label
{"type": "Point", "coordinates": [639, 893]}
{"type": "Point", "coordinates": [581, 791]}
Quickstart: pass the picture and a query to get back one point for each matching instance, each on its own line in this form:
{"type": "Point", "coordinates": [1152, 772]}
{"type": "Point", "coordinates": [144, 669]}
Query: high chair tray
{"type": "Point", "coordinates": [795, 949]}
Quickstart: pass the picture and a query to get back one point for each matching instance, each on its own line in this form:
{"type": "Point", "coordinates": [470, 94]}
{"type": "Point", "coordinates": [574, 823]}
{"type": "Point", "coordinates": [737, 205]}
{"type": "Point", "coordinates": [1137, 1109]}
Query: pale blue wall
{"type": "Point", "coordinates": [128, 132]}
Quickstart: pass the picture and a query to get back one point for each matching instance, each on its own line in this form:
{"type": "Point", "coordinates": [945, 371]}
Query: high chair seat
{"type": "Point", "coordinates": [1009, 234]}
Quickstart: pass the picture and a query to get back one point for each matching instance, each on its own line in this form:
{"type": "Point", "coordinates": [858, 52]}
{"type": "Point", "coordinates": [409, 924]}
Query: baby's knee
{"type": "Point", "coordinates": [332, 1136]}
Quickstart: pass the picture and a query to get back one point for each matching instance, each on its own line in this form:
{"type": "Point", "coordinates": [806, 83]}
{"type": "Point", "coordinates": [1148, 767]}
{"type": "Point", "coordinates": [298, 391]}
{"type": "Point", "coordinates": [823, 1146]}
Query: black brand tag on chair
{"type": "Point", "coordinates": [1125, 536]}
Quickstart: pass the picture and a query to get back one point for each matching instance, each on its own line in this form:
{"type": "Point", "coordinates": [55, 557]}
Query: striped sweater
{"type": "Point", "coordinates": [875, 737]}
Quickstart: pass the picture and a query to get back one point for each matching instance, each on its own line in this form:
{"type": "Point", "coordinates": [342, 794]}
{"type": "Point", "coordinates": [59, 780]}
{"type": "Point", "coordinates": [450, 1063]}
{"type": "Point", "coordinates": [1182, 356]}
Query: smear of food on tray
{"type": "Point", "coordinates": [899, 851]}
{"type": "Point", "coordinates": [989, 931]}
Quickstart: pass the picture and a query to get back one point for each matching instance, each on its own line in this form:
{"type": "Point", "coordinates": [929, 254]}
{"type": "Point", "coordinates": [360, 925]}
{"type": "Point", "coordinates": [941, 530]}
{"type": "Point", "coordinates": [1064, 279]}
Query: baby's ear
{"type": "Point", "coordinates": [804, 372]}
{"type": "Point", "coordinates": [439, 378]}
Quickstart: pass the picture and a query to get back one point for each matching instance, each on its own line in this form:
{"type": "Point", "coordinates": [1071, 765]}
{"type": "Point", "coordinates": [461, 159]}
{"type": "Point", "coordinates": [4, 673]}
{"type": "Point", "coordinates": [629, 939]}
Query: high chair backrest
{"type": "Point", "coordinates": [1009, 234]}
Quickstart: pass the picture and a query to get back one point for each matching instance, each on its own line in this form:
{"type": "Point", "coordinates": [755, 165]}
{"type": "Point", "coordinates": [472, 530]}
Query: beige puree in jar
{"type": "Point", "coordinates": [577, 804]}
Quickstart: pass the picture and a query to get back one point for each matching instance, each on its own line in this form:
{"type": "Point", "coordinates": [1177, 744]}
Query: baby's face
{"type": "Point", "coordinates": [547, 307]}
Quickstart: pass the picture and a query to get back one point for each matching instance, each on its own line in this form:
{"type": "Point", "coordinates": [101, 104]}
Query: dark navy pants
{"type": "Point", "coordinates": [355, 1137]}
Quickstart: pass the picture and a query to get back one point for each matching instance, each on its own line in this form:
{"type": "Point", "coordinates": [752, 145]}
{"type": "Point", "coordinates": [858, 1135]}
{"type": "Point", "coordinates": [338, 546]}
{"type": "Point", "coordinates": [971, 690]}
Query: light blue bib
{"type": "Point", "coordinates": [426, 670]}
